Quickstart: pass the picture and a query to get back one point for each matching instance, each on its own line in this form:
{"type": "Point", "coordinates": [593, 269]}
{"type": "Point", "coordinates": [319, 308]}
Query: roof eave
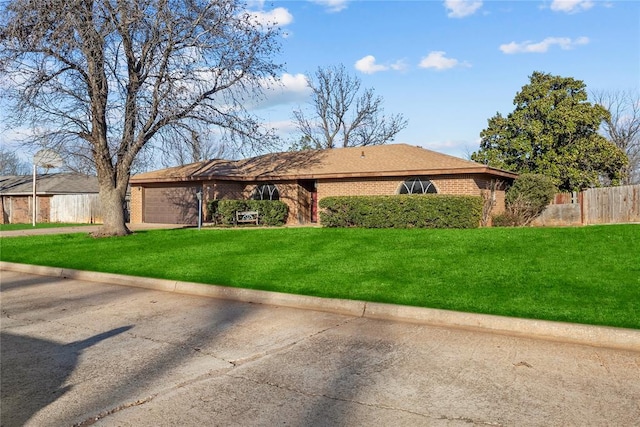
{"type": "Point", "coordinates": [339, 175]}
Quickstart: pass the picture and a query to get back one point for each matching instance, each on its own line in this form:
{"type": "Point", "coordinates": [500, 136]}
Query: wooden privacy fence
{"type": "Point", "coordinates": [609, 205]}
{"type": "Point", "coordinates": [76, 208]}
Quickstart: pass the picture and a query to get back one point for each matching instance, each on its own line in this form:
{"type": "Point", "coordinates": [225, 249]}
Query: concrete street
{"type": "Point", "coordinates": [82, 353]}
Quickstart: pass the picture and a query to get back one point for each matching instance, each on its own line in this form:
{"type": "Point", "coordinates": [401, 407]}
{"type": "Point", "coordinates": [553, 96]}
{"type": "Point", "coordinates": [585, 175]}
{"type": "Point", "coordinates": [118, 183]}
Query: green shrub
{"type": "Point", "coordinates": [212, 210]}
{"type": "Point", "coordinates": [402, 211]}
{"type": "Point", "coordinates": [526, 199]}
{"type": "Point", "coordinates": [272, 212]}
{"type": "Point", "coordinates": [227, 210]}
{"type": "Point", "coordinates": [505, 219]}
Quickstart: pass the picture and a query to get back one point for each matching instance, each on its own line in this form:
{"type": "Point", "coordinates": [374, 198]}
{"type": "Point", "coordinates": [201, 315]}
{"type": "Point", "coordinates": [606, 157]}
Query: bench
{"type": "Point", "coordinates": [244, 217]}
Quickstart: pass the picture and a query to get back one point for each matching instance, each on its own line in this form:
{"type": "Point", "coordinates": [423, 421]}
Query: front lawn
{"type": "Point", "coordinates": [585, 275]}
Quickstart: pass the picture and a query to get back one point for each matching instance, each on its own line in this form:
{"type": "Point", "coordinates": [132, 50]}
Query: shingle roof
{"type": "Point", "coordinates": [373, 161]}
{"type": "Point", "coordinates": [57, 183]}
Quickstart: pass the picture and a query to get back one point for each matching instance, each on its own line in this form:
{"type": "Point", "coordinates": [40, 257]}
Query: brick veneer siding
{"type": "Point", "coordinates": [289, 194]}
{"type": "Point", "coordinates": [467, 185]}
{"type": "Point", "coordinates": [136, 205]}
{"type": "Point", "coordinates": [457, 184]}
{"type": "Point", "coordinates": [17, 209]}
{"type": "Point", "coordinates": [229, 190]}
{"type": "Point", "coordinates": [298, 198]}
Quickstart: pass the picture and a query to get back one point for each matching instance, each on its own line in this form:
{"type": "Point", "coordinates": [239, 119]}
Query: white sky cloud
{"type": "Point", "coordinates": [368, 65]}
{"type": "Point", "coordinates": [571, 6]}
{"type": "Point", "coordinates": [565, 43]}
{"type": "Point", "coordinates": [462, 8]}
{"type": "Point", "coordinates": [400, 65]}
{"type": "Point", "coordinates": [333, 5]}
{"type": "Point", "coordinates": [289, 88]}
{"type": "Point", "coordinates": [439, 61]}
{"type": "Point", "coordinates": [279, 17]}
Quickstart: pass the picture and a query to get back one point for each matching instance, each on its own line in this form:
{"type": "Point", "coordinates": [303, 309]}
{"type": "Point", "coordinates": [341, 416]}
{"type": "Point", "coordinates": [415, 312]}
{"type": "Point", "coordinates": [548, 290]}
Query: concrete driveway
{"type": "Point", "coordinates": [80, 353]}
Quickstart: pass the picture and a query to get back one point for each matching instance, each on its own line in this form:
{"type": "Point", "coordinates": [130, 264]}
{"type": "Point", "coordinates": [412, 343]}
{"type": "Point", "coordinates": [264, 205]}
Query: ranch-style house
{"type": "Point", "coordinates": [302, 178]}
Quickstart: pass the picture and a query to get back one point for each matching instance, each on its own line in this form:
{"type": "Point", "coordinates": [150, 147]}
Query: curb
{"type": "Point", "coordinates": [596, 336]}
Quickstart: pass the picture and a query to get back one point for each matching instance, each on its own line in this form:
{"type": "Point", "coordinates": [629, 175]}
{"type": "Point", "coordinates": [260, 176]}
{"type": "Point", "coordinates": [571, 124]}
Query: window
{"type": "Point", "coordinates": [265, 192]}
{"type": "Point", "coordinates": [417, 186]}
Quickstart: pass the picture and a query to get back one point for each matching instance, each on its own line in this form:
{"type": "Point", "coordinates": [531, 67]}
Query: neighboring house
{"type": "Point", "coordinates": [302, 178]}
{"type": "Point", "coordinates": [61, 197]}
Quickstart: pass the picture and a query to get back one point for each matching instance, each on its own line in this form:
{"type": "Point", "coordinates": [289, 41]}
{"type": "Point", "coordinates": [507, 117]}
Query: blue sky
{"type": "Point", "coordinates": [448, 66]}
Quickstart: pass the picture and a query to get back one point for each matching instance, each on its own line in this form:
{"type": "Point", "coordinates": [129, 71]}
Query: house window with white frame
{"type": "Point", "coordinates": [417, 186]}
{"type": "Point", "coordinates": [266, 192]}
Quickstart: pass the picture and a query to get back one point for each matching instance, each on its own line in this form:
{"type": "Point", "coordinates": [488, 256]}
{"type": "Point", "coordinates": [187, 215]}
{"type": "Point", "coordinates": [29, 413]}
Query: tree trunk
{"type": "Point", "coordinates": [113, 202]}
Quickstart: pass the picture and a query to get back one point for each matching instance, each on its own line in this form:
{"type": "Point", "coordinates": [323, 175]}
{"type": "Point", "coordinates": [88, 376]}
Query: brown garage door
{"type": "Point", "coordinates": [171, 205]}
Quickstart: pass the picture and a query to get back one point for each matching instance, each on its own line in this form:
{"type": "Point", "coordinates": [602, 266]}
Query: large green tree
{"type": "Point", "coordinates": [554, 132]}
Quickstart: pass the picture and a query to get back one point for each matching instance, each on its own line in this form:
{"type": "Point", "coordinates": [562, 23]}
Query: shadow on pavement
{"type": "Point", "coordinates": [34, 372]}
{"type": "Point", "coordinates": [9, 285]}
{"type": "Point", "coordinates": [134, 384]}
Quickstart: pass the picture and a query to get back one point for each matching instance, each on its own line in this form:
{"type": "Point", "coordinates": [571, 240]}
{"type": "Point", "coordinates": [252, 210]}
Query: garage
{"type": "Point", "coordinates": [171, 205]}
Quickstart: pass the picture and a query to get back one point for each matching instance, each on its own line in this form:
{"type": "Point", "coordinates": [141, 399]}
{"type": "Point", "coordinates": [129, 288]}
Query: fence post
{"type": "Point", "coordinates": [581, 201]}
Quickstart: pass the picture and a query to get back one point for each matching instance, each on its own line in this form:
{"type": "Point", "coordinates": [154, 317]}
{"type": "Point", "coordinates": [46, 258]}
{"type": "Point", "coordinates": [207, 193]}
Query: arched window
{"type": "Point", "coordinates": [417, 186]}
{"type": "Point", "coordinates": [265, 192]}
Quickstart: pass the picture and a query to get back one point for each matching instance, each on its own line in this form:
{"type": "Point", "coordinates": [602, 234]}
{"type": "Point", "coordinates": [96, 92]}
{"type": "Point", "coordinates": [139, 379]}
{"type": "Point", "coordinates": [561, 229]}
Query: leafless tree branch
{"type": "Point", "coordinates": [344, 116]}
{"type": "Point", "coordinates": [622, 127]}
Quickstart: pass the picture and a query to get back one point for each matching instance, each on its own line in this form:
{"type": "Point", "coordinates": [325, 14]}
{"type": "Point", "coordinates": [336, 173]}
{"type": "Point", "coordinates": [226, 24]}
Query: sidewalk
{"type": "Point", "coordinates": [82, 229]}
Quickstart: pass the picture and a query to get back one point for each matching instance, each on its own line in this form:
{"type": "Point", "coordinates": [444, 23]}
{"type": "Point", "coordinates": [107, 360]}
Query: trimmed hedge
{"type": "Point", "coordinates": [272, 212]}
{"type": "Point", "coordinates": [402, 211]}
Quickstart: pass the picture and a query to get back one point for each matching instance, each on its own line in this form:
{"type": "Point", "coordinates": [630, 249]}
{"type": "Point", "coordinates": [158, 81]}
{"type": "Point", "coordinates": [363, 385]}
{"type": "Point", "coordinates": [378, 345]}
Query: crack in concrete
{"type": "Point", "coordinates": [334, 398]}
{"type": "Point", "coordinates": [260, 355]}
{"type": "Point", "coordinates": [469, 420]}
{"type": "Point", "coordinates": [94, 419]}
{"type": "Point", "coordinates": [214, 373]}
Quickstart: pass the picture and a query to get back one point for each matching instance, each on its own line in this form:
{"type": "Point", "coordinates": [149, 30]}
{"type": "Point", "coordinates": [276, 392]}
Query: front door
{"type": "Point", "coordinates": [309, 207]}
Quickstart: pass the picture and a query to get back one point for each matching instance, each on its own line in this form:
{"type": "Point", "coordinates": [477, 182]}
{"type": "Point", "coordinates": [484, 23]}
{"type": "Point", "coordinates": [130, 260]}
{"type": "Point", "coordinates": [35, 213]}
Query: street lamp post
{"type": "Point", "coordinates": [33, 209]}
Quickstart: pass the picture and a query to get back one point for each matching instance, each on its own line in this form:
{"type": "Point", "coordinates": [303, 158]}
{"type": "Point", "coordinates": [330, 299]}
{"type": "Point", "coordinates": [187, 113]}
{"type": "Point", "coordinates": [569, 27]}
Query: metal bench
{"type": "Point", "coordinates": [247, 217]}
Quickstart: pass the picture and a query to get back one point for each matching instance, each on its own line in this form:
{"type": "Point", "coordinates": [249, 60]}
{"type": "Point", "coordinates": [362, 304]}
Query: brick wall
{"type": "Point", "coordinates": [358, 187]}
{"type": "Point", "coordinates": [17, 209]}
{"type": "Point", "coordinates": [466, 185]}
{"type": "Point", "coordinates": [298, 198]}
{"type": "Point", "coordinates": [485, 183]}
{"type": "Point", "coordinates": [224, 190]}
{"type": "Point", "coordinates": [136, 205]}
{"type": "Point", "coordinates": [288, 190]}
{"type": "Point", "coordinates": [456, 184]}
{"type": "Point", "coordinates": [289, 193]}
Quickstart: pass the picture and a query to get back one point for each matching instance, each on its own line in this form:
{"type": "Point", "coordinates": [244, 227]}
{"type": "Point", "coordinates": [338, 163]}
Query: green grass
{"type": "Point", "coordinates": [12, 227]}
{"type": "Point", "coordinates": [585, 275]}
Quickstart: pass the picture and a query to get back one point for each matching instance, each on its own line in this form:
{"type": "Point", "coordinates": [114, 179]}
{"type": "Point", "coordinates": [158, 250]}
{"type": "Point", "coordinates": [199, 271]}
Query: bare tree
{"type": "Point", "coordinates": [344, 116]}
{"type": "Point", "coordinates": [10, 163]}
{"type": "Point", "coordinates": [622, 127]}
{"type": "Point", "coordinates": [103, 79]}
{"type": "Point", "coordinates": [191, 147]}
